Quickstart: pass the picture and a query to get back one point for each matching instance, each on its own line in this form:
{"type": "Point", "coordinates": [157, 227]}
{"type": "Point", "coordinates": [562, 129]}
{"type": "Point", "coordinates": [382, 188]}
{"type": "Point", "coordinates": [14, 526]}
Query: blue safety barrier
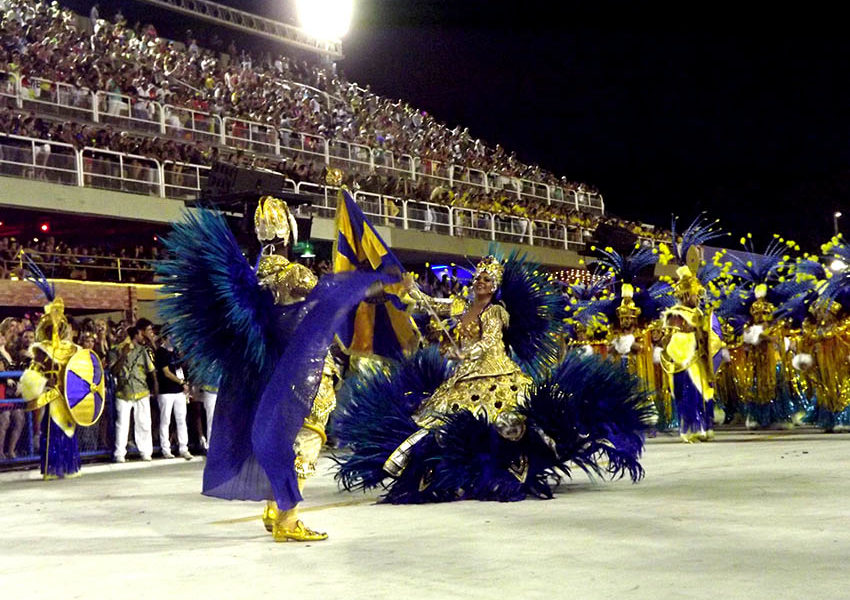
{"type": "Point", "coordinates": [94, 442]}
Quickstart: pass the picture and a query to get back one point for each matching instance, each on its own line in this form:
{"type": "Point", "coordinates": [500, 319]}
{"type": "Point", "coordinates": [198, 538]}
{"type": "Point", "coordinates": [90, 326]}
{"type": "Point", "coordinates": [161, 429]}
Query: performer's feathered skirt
{"type": "Point", "coordinates": [587, 413]}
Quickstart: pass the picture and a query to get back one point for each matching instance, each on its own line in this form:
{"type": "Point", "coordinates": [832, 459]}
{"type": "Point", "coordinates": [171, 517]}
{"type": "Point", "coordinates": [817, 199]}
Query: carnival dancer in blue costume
{"type": "Point", "coordinates": [759, 285]}
{"type": "Point", "coordinates": [691, 346]}
{"type": "Point", "coordinates": [267, 332]}
{"type": "Point", "coordinates": [65, 379]}
{"type": "Point", "coordinates": [822, 308]}
{"type": "Point", "coordinates": [633, 311]}
{"type": "Point", "coordinates": [497, 415]}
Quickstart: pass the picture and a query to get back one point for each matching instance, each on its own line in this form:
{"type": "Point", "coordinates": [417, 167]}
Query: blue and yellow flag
{"type": "Point", "coordinates": [382, 326]}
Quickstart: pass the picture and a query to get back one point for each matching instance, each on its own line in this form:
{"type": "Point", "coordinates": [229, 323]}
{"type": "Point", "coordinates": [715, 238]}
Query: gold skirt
{"type": "Point", "coordinates": [491, 395]}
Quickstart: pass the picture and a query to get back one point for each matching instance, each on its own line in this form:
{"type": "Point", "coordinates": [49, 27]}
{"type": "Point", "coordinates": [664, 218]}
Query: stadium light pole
{"type": "Point", "coordinates": [835, 216]}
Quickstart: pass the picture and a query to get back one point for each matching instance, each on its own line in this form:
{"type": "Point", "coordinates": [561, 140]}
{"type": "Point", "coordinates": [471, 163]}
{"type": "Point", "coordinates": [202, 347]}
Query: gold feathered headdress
{"type": "Point", "coordinates": [273, 221]}
{"type": "Point", "coordinates": [491, 266]}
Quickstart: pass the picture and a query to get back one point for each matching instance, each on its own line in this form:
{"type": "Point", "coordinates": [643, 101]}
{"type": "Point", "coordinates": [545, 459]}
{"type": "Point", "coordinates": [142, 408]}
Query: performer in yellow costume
{"type": "Point", "coordinates": [64, 379]}
{"type": "Point", "coordinates": [634, 347]}
{"type": "Point", "coordinates": [685, 357]}
{"type": "Point", "coordinates": [486, 381]}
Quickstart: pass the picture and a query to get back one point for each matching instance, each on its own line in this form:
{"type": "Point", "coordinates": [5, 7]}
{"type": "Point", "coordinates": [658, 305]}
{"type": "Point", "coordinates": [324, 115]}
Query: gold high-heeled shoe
{"type": "Point", "coordinates": [299, 533]}
{"type": "Point", "coordinates": [270, 514]}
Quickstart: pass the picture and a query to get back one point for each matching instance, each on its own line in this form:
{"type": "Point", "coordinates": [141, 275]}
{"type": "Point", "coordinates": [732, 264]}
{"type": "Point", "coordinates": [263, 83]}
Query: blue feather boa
{"type": "Point", "coordinates": [583, 411]}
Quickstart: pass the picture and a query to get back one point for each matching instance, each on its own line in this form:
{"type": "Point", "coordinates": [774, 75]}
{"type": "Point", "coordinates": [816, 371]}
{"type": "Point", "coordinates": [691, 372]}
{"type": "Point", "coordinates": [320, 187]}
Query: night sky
{"type": "Point", "coordinates": [747, 123]}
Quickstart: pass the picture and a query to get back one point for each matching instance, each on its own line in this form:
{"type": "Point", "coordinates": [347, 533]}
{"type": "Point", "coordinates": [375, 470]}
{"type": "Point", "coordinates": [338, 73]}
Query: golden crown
{"type": "Point", "coordinates": [628, 308]}
{"type": "Point", "coordinates": [491, 266]}
{"type": "Point", "coordinates": [687, 284]}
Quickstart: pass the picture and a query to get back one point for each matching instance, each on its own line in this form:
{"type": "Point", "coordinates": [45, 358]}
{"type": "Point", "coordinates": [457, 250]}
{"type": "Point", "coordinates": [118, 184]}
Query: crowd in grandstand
{"type": "Point", "coordinates": [108, 261]}
{"type": "Point", "coordinates": [43, 43]}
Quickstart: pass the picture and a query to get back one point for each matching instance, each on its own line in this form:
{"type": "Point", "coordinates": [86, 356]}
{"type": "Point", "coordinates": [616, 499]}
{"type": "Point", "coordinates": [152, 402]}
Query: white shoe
{"type": "Point", "coordinates": [204, 443]}
{"type": "Point", "coordinates": [166, 454]}
{"type": "Point", "coordinates": [187, 455]}
{"type": "Point", "coordinates": [120, 459]}
{"type": "Point", "coordinates": [146, 457]}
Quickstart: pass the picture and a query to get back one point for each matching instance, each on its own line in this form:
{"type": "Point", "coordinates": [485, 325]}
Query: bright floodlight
{"type": "Point", "coordinates": [837, 214]}
{"type": "Point", "coordinates": [325, 19]}
{"type": "Point", "coordinates": [837, 265]}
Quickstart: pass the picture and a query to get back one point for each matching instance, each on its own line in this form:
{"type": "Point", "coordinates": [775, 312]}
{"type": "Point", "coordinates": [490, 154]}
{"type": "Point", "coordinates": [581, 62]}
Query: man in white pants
{"type": "Point", "coordinates": [131, 368]}
{"type": "Point", "coordinates": [172, 398]}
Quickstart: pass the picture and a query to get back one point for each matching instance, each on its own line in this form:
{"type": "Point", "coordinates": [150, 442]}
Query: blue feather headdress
{"type": "Point", "coordinates": [587, 303]}
{"type": "Point", "coordinates": [35, 275]}
{"type": "Point", "coordinates": [698, 233]}
{"type": "Point", "coordinates": [535, 306]}
{"type": "Point", "coordinates": [837, 280]}
{"type": "Point", "coordinates": [751, 272]}
{"type": "Point", "coordinates": [625, 270]}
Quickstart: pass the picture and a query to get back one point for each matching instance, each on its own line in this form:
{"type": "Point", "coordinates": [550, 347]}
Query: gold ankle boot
{"type": "Point", "coordinates": [298, 533]}
{"type": "Point", "coordinates": [270, 514]}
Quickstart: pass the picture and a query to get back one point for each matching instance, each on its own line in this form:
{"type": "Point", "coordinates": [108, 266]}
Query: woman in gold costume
{"type": "Point", "coordinates": [492, 412]}
{"type": "Point", "coordinates": [486, 381]}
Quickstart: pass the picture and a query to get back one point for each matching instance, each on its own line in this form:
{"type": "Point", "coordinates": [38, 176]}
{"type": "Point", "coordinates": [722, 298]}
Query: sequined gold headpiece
{"type": "Point", "coordinates": [688, 284]}
{"type": "Point", "coordinates": [274, 222]}
{"type": "Point", "coordinates": [269, 267]}
{"type": "Point", "coordinates": [334, 177]}
{"type": "Point", "coordinates": [53, 326]}
{"type": "Point", "coordinates": [491, 266]}
{"type": "Point", "coordinates": [627, 307]}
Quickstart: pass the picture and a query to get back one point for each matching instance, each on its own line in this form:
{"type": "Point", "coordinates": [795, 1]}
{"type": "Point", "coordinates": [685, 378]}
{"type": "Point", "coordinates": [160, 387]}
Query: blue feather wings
{"type": "Point", "coordinates": [219, 315]}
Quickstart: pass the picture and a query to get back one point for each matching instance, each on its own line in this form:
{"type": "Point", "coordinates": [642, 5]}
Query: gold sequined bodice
{"type": "Point", "coordinates": [288, 281]}
{"type": "Point", "coordinates": [486, 379]}
{"type": "Point", "coordinates": [468, 332]}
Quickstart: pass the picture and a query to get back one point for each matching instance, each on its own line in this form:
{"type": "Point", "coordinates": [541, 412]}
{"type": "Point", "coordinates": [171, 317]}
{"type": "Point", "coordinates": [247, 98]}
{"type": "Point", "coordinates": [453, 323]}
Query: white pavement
{"type": "Point", "coordinates": [749, 516]}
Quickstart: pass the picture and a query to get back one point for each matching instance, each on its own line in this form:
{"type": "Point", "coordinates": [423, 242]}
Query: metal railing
{"type": "Point", "coordinates": [57, 98]}
{"type": "Point", "coordinates": [123, 110]}
{"type": "Point", "coordinates": [87, 267]}
{"type": "Point", "coordinates": [107, 169]}
{"type": "Point", "coordinates": [191, 124]}
{"type": "Point", "coordinates": [251, 135]}
{"type": "Point", "coordinates": [10, 87]}
{"type": "Point", "coordinates": [32, 158]}
{"type": "Point", "coordinates": [150, 116]}
{"type": "Point", "coordinates": [183, 180]}
{"type": "Point", "coordinates": [24, 450]}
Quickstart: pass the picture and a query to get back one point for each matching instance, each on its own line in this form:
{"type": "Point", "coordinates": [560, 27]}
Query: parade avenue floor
{"type": "Point", "coordinates": [751, 515]}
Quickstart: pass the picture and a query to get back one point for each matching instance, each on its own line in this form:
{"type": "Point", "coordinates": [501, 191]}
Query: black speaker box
{"type": "Point", "coordinates": [621, 240]}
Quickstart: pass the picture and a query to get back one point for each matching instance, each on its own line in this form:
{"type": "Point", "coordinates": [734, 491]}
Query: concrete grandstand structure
{"type": "Point", "coordinates": [44, 171]}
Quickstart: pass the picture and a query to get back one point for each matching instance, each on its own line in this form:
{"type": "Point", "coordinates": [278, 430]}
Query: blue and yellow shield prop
{"type": "Point", "coordinates": [85, 387]}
